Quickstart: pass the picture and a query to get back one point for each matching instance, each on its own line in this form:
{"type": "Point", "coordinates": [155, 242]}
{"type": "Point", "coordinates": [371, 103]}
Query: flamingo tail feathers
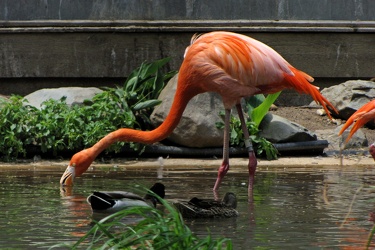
{"type": "Point", "coordinates": [301, 82]}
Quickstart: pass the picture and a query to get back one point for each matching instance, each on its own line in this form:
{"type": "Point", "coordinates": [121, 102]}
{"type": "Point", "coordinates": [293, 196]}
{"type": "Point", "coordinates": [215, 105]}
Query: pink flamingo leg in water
{"type": "Point", "coordinates": [249, 146]}
{"type": "Point", "coordinates": [252, 158]}
{"type": "Point", "coordinates": [223, 169]}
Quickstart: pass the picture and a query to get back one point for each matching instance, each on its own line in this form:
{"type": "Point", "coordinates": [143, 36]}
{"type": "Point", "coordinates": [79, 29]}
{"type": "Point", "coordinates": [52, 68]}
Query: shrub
{"type": "Point", "coordinates": [58, 127]}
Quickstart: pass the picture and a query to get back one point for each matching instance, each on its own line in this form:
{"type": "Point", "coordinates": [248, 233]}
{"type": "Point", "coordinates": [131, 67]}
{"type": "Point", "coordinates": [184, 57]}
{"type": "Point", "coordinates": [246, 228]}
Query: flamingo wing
{"type": "Point", "coordinates": [237, 66]}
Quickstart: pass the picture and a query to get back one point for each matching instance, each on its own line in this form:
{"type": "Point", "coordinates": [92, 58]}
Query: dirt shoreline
{"type": "Point", "coordinates": [237, 164]}
{"type": "Point", "coordinates": [304, 116]}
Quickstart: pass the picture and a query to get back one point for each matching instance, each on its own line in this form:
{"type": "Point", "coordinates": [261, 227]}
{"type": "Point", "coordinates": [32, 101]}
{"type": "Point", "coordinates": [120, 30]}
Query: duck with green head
{"type": "Point", "coordinates": [114, 201]}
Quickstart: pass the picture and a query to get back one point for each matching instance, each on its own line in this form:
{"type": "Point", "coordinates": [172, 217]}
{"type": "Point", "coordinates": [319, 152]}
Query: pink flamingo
{"type": "Point", "coordinates": [233, 65]}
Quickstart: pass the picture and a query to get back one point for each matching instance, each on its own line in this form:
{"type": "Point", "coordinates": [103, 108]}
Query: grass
{"type": "Point", "coordinates": [155, 230]}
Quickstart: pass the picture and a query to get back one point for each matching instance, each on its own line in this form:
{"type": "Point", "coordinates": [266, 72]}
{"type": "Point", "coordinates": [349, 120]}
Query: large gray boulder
{"type": "Point", "coordinates": [74, 95]}
{"type": "Point", "coordinates": [197, 127]}
{"type": "Point", "coordinates": [277, 129]}
{"type": "Point", "coordinates": [349, 96]}
{"type": "Point", "coordinates": [358, 140]}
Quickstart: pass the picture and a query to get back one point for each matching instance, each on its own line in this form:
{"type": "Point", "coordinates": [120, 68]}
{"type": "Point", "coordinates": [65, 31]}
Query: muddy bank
{"type": "Point", "coordinates": [237, 164]}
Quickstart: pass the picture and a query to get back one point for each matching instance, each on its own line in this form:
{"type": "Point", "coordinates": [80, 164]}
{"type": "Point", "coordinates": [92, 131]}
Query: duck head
{"type": "Point", "coordinates": [159, 190]}
{"type": "Point", "coordinates": [79, 163]}
{"type": "Point", "coordinates": [230, 200]}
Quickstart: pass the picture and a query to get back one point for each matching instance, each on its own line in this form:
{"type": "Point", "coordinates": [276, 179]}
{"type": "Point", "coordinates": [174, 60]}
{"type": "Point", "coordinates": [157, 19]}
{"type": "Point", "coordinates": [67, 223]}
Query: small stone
{"type": "Point", "coordinates": [273, 107]}
{"type": "Point", "coordinates": [321, 112]}
{"type": "Point", "coordinates": [335, 121]}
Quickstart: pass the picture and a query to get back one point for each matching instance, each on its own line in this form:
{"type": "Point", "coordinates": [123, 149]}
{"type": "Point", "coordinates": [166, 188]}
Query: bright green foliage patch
{"type": "Point", "coordinates": [59, 127]}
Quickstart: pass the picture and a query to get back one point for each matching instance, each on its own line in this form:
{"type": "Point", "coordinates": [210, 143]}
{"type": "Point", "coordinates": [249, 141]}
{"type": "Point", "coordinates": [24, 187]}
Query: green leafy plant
{"type": "Point", "coordinates": [257, 107]}
{"type": "Point", "coordinates": [59, 127]}
{"type": "Point", "coordinates": [143, 87]}
{"type": "Point", "coordinates": [155, 230]}
{"type": "Point", "coordinates": [15, 124]}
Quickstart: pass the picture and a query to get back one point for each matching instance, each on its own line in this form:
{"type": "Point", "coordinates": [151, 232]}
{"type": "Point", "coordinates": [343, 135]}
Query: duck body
{"type": "Point", "coordinates": [114, 201]}
{"type": "Point", "coordinates": [206, 208]}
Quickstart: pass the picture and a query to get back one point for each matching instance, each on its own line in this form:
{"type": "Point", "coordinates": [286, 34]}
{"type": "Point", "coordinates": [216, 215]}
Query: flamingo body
{"type": "Point", "coordinates": [237, 66]}
{"type": "Point", "coordinates": [234, 66]}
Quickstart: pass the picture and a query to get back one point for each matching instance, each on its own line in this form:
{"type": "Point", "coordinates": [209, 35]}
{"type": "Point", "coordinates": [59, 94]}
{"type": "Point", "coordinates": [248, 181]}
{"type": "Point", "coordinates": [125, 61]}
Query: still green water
{"type": "Point", "coordinates": [296, 210]}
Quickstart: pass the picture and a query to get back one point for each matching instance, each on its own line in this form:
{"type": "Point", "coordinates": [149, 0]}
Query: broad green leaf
{"type": "Point", "coordinates": [259, 112]}
{"type": "Point", "coordinates": [253, 102]}
{"type": "Point", "coordinates": [151, 68]}
{"type": "Point", "coordinates": [146, 104]}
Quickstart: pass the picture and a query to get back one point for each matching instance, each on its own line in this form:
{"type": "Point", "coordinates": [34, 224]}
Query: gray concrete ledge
{"type": "Point", "coordinates": [186, 26]}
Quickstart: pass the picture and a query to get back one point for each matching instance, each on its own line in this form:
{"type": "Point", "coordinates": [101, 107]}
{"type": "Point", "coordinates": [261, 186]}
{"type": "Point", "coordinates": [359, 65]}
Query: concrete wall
{"type": "Point", "coordinates": [94, 43]}
{"type": "Point", "coordinates": [187, 10]}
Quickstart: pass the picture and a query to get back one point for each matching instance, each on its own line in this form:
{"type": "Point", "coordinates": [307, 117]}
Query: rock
{"type": "Point", "coordinates": [349, 96]}
{"type": "Point", "coordinates": [321, 112]}
{"type": "Point", "coordinates": [336, 142]}
{"type": "Point", "coordinates": [74, 95]}
{"type": "Point", "coordinates": [277, 129]}
{"type": "Point", "coordinates": [197, 127]}
{"type": "Point", "coordinates": [358, 140]}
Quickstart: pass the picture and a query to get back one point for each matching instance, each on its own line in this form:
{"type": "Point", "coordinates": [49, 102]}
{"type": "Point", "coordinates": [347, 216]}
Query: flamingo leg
{"type": "Point", "coordinates": [223, 169]}
{"type": "Point", "coordinates": [249, 146]}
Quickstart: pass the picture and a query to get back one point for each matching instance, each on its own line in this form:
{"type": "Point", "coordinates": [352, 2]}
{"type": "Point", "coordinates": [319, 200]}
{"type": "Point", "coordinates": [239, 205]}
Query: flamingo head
{"type": "Point", "coordinates": [372, 150]}
{"type": "Point", "coordinates": [79, 163]}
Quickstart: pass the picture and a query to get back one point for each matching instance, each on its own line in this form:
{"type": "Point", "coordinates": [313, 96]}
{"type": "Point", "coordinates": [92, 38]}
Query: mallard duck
{"type": "Point", "coordinates": [114, 201]}
{"type": "Point", "coordinates": [205, 208]}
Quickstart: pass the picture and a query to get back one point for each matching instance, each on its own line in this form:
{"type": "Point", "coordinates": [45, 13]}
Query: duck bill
{"type": "Point", "coordinates": [68, 176]}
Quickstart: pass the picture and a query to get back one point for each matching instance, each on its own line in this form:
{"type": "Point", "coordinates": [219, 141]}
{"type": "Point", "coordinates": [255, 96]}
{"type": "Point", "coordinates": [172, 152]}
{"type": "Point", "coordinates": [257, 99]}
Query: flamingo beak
{"type": "Point", "coordinates": [68, 176]}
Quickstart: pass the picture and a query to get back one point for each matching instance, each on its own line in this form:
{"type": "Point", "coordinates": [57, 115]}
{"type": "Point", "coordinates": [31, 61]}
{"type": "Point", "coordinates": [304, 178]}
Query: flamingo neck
{"type": "Point", "coordinates": [181, 99]}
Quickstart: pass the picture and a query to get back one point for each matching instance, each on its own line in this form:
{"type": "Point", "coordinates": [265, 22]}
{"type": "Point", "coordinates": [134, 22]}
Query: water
{"type": "Point", "coordinates": [298, 210]}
